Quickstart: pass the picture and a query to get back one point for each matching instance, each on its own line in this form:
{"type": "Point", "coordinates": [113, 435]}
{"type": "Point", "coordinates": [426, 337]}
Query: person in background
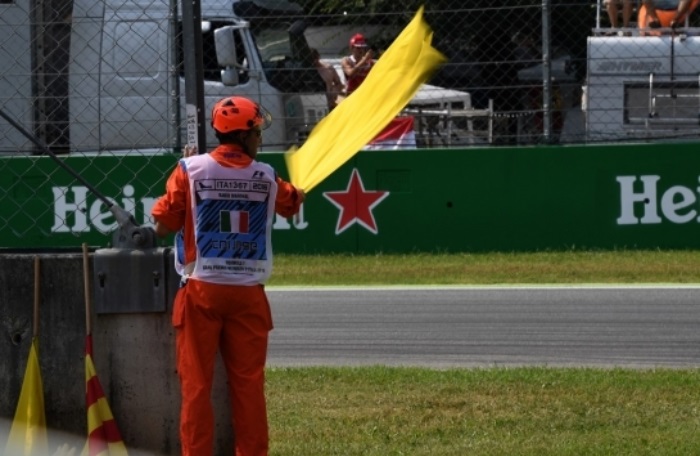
{"type": "Point", "coordinates": [358, 64]}
{"type": "Point", "coordinates": [222, 205]}
{"type": "Point", "coordinates": [334, 87]}
{"type": "Point", "coordinates": [611, 7]}
{"type": "Point", "coordinates": [665, 13]}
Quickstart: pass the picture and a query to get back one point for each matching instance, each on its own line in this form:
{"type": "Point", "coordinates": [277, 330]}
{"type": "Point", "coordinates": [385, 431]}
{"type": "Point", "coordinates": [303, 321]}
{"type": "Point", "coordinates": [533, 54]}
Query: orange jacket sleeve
{"type": "Point", "coordinates": [287, 202]}
{"type": "Point", "coordinates": [172, 209]}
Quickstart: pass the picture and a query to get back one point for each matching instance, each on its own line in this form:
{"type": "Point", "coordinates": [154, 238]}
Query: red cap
{"type": "Point", "coordinates": [358, 40]}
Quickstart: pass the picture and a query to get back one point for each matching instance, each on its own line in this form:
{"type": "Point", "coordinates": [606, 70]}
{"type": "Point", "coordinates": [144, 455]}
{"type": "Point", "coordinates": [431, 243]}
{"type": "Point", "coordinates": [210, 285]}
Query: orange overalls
{"type": "Point", "coordinates": [208, 317]}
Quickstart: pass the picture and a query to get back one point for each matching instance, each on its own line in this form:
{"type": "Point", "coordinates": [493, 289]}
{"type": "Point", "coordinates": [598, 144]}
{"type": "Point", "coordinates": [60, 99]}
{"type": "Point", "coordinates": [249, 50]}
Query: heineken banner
{"type": "Point", "coordinates": [491, 199]}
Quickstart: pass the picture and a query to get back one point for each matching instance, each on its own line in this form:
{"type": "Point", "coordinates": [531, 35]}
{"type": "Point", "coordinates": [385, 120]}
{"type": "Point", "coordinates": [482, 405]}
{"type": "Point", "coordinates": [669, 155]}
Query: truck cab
{"type": "Point", "coordinates": [124, 88]}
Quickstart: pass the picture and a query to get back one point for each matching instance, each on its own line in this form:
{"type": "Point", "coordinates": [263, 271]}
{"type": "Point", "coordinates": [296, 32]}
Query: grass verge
{"type": "Point", "coordinates": [525, 411]}
{"type": "Point", "coordinates": [489, 268]}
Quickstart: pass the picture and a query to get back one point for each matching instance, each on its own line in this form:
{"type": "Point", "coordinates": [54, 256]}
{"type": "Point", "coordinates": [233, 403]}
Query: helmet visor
{"type": "Point", "coordinates": [265, 118]}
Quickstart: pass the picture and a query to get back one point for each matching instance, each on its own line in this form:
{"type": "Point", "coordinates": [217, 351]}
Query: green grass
{"type": "Point", "coordinates": [525, 411]}
{"type": "Point", "coordinates": [381, 411]}
{"type": "Point", "coordinates": [489, 268]}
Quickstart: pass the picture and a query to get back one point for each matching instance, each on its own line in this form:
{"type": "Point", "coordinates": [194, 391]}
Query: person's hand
{"type": "Point", "coordinates": [189, 151]}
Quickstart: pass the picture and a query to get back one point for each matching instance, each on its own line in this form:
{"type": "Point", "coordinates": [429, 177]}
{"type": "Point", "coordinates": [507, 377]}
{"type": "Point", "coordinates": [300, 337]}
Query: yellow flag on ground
{"type": "Point", "coordinates": [393, 81]}
{"type": "Point", "coordinates": [28, 432]}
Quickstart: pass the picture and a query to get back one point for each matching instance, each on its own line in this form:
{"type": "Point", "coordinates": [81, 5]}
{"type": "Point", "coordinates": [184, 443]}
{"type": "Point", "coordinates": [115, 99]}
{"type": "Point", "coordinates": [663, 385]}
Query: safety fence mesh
{"type": "Point", "coordinates": [105, 80]}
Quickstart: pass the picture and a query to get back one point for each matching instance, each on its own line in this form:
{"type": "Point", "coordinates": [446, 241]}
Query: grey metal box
{"type": "Point", "coordinates": [132, 280]}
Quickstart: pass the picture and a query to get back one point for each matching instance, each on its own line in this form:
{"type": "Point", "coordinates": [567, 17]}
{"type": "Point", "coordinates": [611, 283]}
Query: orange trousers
{"type": "Point", "coordinates": [236, 320]}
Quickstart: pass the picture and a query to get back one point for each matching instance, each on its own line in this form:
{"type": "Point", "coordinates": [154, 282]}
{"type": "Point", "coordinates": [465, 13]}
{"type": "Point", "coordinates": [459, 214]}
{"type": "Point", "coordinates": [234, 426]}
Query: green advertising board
{"type": "Point", "coordinates": [480, 199]}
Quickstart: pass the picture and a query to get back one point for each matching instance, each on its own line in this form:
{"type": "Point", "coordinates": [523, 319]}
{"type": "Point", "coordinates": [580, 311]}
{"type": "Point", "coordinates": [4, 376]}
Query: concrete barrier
{"type": "Point", "coordinates": [133, 354]}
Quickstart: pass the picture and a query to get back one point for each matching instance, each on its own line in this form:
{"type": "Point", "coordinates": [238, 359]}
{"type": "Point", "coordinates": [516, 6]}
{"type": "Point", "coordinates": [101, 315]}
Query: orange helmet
{"type": "Point", "coordinates": [238, 113]}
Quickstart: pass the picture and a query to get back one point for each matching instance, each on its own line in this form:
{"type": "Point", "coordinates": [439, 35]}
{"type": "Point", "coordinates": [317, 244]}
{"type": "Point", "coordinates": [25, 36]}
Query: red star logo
{"type": "Point", "coordinates": [356, 204]}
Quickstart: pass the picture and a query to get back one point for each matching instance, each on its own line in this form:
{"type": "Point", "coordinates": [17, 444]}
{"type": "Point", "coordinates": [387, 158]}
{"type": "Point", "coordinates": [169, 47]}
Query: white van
{"type": "Point", "coordinates": [641, 87]}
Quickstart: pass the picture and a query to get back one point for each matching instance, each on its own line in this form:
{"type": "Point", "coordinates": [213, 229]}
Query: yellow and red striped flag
{"type": "Point", "coordinates": [28, 431]}
{"type": "Point", "coordinates": [394, 80]}
{"type": "Point", "coordinates": [104, 438]}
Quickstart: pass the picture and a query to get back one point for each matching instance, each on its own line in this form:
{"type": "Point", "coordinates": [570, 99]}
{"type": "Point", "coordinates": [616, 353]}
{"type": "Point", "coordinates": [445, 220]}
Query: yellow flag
{"type": "Point", "coordinates": [393, 81]}
{"type": "Point", "coordinates": [28, 432]}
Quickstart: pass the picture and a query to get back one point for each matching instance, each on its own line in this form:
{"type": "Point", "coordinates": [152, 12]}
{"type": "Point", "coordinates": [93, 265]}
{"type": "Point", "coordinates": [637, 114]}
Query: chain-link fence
{"type": "Point", "coordinates": [87, 76]}
{"type": "Point", "coordinates": [106, 78]}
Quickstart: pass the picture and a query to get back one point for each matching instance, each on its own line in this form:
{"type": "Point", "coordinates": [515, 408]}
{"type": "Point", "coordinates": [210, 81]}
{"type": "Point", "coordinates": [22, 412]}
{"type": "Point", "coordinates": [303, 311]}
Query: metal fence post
{"type": "Point", "coordinates": [194, 73]}
{"type": "Point", "coordinates": [546, 71]}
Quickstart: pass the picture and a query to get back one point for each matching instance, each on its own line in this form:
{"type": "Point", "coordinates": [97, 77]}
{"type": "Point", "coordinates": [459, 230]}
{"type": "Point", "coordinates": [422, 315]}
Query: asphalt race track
{"type": "Point", "coordinates": [600, 326]}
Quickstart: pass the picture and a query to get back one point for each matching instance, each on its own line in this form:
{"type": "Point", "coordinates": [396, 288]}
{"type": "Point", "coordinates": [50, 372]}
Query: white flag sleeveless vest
{"type": "Point", "coordinates": [233, 211]}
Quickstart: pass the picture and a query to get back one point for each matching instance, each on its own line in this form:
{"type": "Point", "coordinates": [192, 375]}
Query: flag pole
{"type": "Point", "coordinates": [103, 433]}
{"type": "Point", "coordinates": [37, 288]}
{"type": "Point", "coordinates": [86, 284]}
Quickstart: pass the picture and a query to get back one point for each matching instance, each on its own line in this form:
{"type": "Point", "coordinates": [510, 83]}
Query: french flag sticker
{"type": "Point", "coordinates": [234, 222]}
